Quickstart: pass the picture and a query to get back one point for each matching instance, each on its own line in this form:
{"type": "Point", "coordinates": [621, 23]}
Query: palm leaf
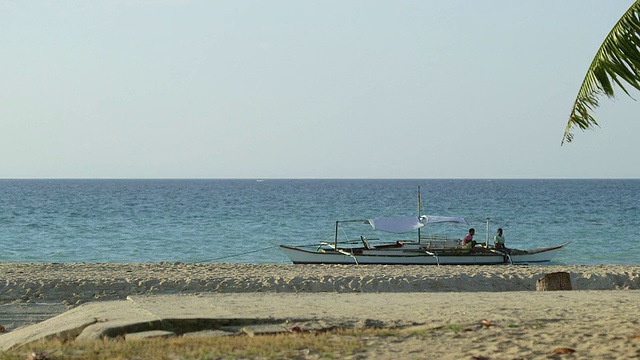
{"type": "Point", "coordinates": [616, 63]}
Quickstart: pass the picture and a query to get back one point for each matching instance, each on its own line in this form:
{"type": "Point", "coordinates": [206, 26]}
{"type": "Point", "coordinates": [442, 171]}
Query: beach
{"type": "Point", "coordinates": [76, 283]}
{"type": "Point", "coordinates": [490, 311]}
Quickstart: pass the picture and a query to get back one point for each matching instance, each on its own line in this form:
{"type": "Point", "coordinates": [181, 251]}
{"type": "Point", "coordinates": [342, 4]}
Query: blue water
{"type": "Point", "coordinates": [243, 220]}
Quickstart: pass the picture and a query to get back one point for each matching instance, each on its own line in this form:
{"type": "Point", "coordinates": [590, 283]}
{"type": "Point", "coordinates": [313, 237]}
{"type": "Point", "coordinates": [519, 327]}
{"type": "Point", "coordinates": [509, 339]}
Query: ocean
{"type": "Point", "coordinates": [243, 221]}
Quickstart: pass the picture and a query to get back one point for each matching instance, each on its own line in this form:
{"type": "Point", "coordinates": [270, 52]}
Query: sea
{"type": "Point", "coordinates": [244, 220]}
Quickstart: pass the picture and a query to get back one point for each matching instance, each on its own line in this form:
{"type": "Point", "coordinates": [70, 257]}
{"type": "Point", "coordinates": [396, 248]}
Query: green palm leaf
{"type": "Point", "coordinates": [616, 62]}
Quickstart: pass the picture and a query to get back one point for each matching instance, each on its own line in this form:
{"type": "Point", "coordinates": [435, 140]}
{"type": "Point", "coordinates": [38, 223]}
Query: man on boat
{"type": "Point", "coordinates": [498, 240]}
{"type": "Point", "coordinates": [467, 242]}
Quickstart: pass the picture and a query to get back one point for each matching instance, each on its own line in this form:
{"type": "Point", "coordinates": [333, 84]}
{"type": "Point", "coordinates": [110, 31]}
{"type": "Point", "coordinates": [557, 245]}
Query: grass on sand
{"type": "Point", "coordinates": [335, 344]}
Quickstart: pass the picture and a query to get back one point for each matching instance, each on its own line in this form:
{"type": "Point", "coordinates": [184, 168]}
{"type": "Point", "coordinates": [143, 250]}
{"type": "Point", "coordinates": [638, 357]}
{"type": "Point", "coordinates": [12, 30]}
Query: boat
{"type": "Point", "coordinates": [422, 250]}
{"type": "Point", "coordinates": [426, 250]}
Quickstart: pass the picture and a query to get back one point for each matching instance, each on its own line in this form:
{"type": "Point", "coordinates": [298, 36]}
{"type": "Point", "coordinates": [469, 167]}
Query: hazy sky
{"type": "Point", "coordinates": [306, 89]}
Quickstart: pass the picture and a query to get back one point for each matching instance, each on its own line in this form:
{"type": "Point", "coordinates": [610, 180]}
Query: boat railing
{"type": "Point", "coordinates": [435, 242]}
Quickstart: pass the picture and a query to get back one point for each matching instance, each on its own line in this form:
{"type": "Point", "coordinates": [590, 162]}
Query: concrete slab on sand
{"type": "Point", "coordinates": [180, 314]}
{"type": "Point", "coordinates": [256, 313]}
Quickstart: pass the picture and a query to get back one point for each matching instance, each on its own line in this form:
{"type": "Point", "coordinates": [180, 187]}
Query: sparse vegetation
{"type": "Point", "coordinates": [334, 344]}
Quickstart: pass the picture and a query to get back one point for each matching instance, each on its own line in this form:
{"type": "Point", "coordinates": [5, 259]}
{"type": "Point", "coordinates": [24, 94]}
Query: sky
{"type": "Point", "coordinates": [306, 89]}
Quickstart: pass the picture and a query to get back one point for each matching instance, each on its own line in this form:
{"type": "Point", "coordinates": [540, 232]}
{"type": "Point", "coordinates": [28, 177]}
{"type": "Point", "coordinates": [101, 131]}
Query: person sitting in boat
{"type": "Point", "coordinates": [498, 240]}
{"type": "Point", "coordinates": [467, 242]}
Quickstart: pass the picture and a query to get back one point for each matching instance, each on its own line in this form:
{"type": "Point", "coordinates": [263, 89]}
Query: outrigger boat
{"type": "Point", "coordinates": [425, 250]}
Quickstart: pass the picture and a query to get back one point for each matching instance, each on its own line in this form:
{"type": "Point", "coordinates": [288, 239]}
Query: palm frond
{"type": "Point", "coordinates": [617, 62]}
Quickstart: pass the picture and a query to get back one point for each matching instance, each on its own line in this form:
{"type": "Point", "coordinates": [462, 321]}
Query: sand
{"type": "Point", "coordinates": [73, 284]}
{"type": "Point", "coordinates": [600, 318]}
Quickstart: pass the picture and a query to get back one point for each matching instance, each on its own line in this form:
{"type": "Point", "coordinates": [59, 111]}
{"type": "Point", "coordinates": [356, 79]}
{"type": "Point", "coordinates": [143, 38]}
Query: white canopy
{"type": "Point", "coordinates": [431, 219]}
{"type": "Point", "coordinates": [396, 225]}
{"type": "Point", "coordinates": [410, 223]}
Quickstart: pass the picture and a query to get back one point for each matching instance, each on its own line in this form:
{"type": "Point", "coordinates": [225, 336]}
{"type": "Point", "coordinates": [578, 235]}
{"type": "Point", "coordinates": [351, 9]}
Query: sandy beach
{"type": "Point", "coordinates": [73, 284]}
{"type": "Point", "coordinates": [598, 319]}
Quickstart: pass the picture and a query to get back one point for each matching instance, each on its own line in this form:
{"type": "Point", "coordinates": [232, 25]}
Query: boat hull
{"type": "Point", "coordinates": [371, 257]}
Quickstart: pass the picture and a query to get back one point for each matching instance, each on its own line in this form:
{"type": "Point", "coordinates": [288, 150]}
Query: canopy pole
{"type": "Point", "coordinates": [419, 211]}
{"type": "Point", "coordinates": [335, 239]}
{"type": "Point", "coordinates": [487, 242]}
